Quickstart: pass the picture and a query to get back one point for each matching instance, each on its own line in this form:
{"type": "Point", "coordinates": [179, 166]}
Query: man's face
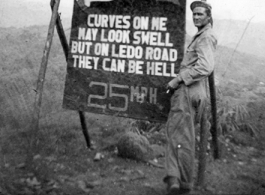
{"type": "Point", "coordinates": [200, 18]}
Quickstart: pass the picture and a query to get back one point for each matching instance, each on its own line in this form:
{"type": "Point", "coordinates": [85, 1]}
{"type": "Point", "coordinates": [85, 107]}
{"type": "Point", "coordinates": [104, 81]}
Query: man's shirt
{"type": "Point", "coordinates": [198, 61]}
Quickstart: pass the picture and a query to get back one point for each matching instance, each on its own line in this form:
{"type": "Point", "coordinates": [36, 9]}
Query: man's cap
{"type": "Point", "coordinates": [201, 3]}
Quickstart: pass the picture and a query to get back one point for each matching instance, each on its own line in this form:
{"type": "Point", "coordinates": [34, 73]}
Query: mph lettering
{"type": "Point", "coordinates": [130, 94]}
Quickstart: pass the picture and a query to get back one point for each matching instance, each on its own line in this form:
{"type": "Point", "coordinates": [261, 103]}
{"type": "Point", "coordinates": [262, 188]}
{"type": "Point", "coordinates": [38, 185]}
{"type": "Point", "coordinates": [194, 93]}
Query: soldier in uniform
{"type": "Point", "coordinates": [188, 101]}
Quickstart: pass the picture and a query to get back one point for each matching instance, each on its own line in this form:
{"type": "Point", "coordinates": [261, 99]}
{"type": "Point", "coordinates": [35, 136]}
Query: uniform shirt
{"type": "Point", "coordinates": [198, 61]}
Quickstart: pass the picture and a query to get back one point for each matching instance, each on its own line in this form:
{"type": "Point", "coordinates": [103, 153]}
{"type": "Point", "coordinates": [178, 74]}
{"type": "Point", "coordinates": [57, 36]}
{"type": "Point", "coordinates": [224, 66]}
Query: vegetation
{"type": "Point", "coordinates": [235, 117]}
{"type": "Point", "coordinates": [63, 158]}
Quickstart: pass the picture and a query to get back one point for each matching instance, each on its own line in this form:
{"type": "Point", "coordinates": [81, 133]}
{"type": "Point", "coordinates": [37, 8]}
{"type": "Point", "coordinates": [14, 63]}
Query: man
{"type": "Point", "coordinates": [188, 101]}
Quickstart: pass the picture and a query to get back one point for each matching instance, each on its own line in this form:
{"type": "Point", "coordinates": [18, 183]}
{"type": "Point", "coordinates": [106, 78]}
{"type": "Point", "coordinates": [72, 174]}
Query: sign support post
{"type": "Point", "coordinates": [41, 78]}
{"type": "Point", "coordinates": [65, 46]}
{"type": "Point", "coordinates": [202, 149]}
{"type": "Point", "coordinates": [55, 21]}
{"type": "Point", "coordinates": [214, 129]}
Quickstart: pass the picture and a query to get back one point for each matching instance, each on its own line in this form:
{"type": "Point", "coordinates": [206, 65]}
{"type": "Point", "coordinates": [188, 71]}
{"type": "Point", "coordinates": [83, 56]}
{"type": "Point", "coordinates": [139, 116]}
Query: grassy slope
{"type": "Point", "coordinates": [64, 160]}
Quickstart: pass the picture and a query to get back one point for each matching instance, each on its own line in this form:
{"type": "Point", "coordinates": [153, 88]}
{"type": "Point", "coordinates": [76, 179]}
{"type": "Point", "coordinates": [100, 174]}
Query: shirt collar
{"type": "Point", "coordinates": [206, 27]}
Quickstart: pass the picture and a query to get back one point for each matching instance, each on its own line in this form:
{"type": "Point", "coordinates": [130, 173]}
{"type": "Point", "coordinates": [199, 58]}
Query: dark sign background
{"type": "Point", "coordinates": [97, 90]}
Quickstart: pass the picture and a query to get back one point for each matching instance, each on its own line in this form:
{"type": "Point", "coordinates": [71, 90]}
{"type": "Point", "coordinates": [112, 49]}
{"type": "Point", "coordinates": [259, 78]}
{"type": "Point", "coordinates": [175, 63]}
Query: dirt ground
{"type": "Point", "coordinates": [64, 166]}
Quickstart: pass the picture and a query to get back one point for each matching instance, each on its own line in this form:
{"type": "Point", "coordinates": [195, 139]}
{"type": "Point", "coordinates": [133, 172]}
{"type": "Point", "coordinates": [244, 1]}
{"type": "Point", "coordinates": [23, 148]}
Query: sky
{"type": "Point", "coordinates": [222, 9]}
{"type": "Point", "coordinates": [237, 9]}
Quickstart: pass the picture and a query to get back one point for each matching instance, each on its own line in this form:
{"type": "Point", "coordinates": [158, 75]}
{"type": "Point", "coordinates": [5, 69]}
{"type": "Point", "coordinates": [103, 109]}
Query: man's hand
{"type": "Point", "coordinates": [174, 83]}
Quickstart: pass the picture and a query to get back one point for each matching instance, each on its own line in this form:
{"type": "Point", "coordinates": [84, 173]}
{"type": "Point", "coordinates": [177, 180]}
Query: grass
{"type": "Point", "coordinates": [62, 154]}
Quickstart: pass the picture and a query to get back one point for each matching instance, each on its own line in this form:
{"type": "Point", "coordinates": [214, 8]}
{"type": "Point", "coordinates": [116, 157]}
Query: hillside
{"type": "Point", "coordinates": [21, 53]}
{"type": "Point", "coordinates": [64, 165]}
{"type": "Point", "coordinates": [229, 33]}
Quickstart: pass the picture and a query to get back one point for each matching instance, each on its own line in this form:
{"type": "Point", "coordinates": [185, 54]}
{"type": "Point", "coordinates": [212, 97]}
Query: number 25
{"type": "Point", "coordinates": [111, 95]}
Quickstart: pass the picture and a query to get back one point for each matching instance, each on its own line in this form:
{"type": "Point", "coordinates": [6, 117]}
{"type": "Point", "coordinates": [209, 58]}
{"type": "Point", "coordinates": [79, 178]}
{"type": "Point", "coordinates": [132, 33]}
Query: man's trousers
{"type": "Point", "coordinates": [187, 105]}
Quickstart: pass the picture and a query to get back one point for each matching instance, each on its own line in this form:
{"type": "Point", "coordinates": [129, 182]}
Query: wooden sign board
{"type": "Point", "coordinates": [122, 54]}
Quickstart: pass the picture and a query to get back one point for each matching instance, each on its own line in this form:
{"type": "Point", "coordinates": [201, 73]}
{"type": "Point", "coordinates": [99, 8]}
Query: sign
{"type": "Point", "coordinates": [122, 54]}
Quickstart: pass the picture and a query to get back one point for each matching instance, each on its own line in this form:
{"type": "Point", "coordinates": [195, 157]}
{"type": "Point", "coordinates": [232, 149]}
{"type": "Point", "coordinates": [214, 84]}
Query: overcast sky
{"type": "Point", "coordinates": [222, 9]}
{"type": "Point", "coordinates": [237, 9]}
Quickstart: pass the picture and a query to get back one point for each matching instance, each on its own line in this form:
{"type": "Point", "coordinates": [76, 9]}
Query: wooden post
{"type": "Point", "coordinates": [203, 134]}
{"type": "Point", "coordinates": [203, 148]}
{"type": "Point", "coordinates": [84, 128]}
{"type": "Point", "coordinates": [61, 33]}
{"type": "Point", "coordinates": [214, 130]}
{"type": "Point", "coordinates": [65, 46]}
{"type": "Point", "coordinates": [41, 78]}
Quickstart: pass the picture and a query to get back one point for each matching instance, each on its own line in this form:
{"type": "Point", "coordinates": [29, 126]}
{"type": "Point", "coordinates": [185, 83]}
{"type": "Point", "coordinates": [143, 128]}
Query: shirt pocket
{"type": "Point", "coordinates": [191, 55]}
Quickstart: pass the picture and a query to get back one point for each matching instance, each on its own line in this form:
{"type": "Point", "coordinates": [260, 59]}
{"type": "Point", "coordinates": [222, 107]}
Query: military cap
{"type": "Point", "coordinates": [201, 3]}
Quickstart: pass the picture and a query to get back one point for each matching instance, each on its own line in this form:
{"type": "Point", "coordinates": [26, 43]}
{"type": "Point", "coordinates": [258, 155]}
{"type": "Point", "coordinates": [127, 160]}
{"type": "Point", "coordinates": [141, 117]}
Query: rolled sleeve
{"type": "Point", "coordinates": [204, 64]}
{"type": "Point", "coordinates": [186, 77]}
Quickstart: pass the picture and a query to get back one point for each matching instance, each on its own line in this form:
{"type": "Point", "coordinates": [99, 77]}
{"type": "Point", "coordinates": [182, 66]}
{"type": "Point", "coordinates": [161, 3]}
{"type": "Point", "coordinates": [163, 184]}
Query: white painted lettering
{"type": "Point", "coordinates": [159, 23]}
{"type": "Point", "coordinates": [74, 47]}
{"type": "Point", "coordinates": [158, 69]}
{"type": "Point", "coordinates": [153, 95]}
{"type": "Point", "coordinates": [75, 60]}
{"type": "Point", "coordinates": [104, 63]}
{"type": "Point", "coordinates": [173, 74]}
{"type": "Point", "coordinates": [131, 66]}
{"type": "Point", "coordinates": [150, 69]}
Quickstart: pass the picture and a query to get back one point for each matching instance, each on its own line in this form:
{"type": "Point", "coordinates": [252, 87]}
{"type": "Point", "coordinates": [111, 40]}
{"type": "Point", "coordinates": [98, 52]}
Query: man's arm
{"type": "Point", "coordinates": [205, 64]}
